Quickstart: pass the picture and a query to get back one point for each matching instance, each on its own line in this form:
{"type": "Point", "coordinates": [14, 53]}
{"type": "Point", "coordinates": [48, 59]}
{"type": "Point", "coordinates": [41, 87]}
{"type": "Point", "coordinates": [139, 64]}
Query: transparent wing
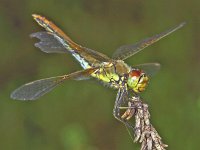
{"type": "Point", "coordinates": [36, 89]}
{"type": "Point", "coordinates": [48, 43]}
{"type": "Point", "coordinates": [126, 51]}
{"type": "Point", "coordinates": [60, 39]}
{"type": "Point", "coordinates": [130, 130]}
{"type": "Point", "coordinates": [149, 68]}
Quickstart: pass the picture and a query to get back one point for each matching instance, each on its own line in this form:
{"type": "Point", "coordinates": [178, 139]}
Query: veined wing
{"type": "Point", "coordinates": [149, 68]}
{"type": "Point", "coordinates": [36, 89]}
{"type": "Point", "coordinates": [48, 43]}
{"type": "Point", "coordinates": [55, 33]}
{"type": "Point", "coordinates": [126, 51]}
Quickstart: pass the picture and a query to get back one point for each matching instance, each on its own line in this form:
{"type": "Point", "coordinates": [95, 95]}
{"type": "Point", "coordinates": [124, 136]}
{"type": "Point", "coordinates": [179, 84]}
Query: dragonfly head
{"type": "Point", "coordinates": [137, 80]}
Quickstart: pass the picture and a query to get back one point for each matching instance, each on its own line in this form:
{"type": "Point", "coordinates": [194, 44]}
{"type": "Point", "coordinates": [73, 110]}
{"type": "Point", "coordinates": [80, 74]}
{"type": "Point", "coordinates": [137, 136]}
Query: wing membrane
{"type": "Point", "coordinates": [63, 39]}
{"type": "Point", "coordinates": [149, 68]}
{"type": "Point", "coordinates": [126, 51]}
{"type": "Point", "coordinates": [130, 130]}
{"type": "Point", "coordinates": [48, 43]}
{"type": "Point", "coordinates": [36, 89]}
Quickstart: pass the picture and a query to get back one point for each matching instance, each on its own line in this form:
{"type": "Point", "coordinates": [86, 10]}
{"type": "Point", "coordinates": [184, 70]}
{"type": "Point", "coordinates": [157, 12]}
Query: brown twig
{"type": "Point", "coordinates": [144, 132]}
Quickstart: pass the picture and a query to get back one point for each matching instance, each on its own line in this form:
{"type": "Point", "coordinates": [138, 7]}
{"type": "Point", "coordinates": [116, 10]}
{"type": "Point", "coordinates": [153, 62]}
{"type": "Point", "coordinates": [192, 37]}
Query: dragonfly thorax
{"type": "Point", "coordinates": [137, 80]}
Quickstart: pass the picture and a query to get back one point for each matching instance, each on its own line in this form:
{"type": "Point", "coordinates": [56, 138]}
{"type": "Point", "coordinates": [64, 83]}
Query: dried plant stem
{"type": "Point", "coordinates": [144, 132]}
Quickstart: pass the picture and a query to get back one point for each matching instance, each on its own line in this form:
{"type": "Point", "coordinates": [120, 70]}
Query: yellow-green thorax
{"type": "Point", "coordinates": [117, 74]}
{"type": "Point", "coordinates": [112, 73]}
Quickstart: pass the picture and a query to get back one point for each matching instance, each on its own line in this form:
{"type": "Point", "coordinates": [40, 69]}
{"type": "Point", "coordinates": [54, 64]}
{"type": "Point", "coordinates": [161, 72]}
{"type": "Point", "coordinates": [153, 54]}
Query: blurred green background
{"type": "Point", "coordinates": [78, 114]}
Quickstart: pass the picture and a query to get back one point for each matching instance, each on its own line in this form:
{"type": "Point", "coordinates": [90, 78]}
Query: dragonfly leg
{"type": "Point", "coordinates": [122, 93]}
{"type": "Point", "coordinates": [130, 111]}
{"type": "Point", "coordinates": [134, 104]}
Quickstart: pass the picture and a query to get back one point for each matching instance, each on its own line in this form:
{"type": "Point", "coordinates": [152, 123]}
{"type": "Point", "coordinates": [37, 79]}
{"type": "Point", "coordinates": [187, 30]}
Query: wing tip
{"type": "Point", "coordinates": [158, 64]}
{"type": "Point", "coordinates": [33, 35]}
{"type": "Point", "coordinates": [15, 96]}
{"type": "Point", "coordinates": [12, 96]}
{"type": "Point", "coordinates": [183, 23]}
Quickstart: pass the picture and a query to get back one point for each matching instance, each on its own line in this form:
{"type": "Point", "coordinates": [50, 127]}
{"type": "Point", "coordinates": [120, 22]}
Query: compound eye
{"type": "Point", "coordinates": [135, 73]}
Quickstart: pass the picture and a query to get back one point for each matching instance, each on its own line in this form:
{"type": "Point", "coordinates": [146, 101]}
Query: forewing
{"type": "Point", "coordinates": [149, 68]}
{"type": "Point", "coordinates": [36, 89]}
{"type": "Point", "coordinates": [126, 51]}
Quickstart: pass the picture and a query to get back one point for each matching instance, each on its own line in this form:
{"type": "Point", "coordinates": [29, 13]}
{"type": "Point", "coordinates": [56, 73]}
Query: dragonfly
{"type": "Point", "coordinates": [112, 71]}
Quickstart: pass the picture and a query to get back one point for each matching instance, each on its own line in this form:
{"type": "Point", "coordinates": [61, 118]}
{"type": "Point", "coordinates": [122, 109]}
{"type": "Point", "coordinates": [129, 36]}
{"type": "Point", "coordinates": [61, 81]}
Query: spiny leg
{"type": "Point", "coordinates": [121, 95]}
{"type": "Point", "coordinates": [134, 104]}
{"type": "Point", "coordinates": [130, 111]}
